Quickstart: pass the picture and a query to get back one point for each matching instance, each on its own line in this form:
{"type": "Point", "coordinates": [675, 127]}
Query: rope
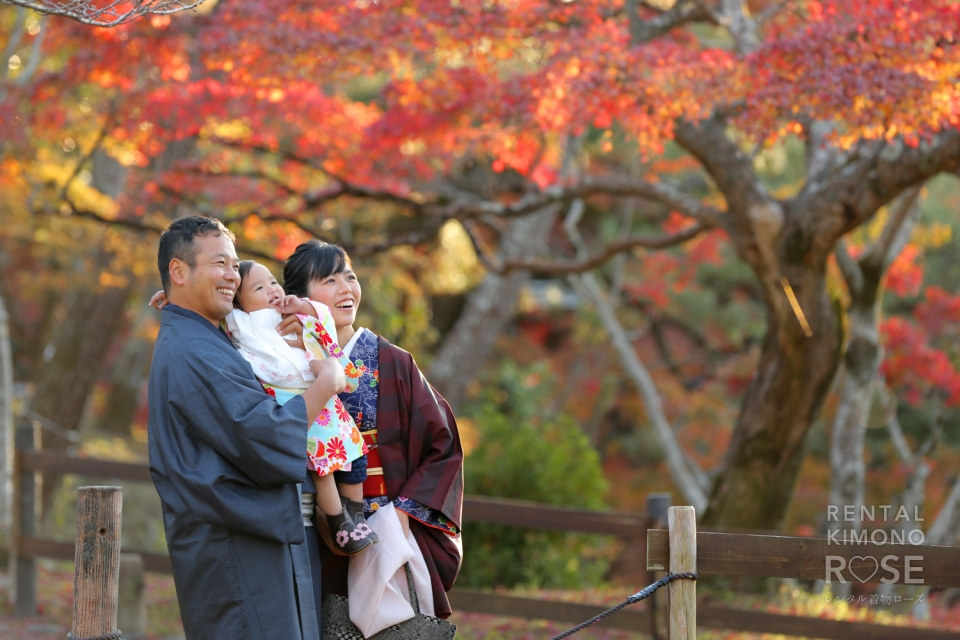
{"type": "Point", "coordinates": [644, 593]}
{"type": "Point", "coordinates": [116, 635]}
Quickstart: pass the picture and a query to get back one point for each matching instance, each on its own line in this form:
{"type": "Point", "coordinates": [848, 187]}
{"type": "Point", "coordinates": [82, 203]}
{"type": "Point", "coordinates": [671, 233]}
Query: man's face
{"type": "Point", "coordinates": [209, 287]}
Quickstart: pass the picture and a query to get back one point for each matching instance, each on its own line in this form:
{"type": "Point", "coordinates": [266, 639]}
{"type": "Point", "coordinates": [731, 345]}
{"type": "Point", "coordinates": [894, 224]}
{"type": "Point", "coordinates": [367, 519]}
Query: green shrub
{"type": "Point", "coordinates": [520, 453]}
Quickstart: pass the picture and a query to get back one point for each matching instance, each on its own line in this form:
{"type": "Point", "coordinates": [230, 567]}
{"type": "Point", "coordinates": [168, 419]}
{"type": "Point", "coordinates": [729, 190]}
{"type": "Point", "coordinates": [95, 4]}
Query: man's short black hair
{"type": "Point", "coordinates": [178, 242]}
{"type": "Point", "coordinates": [313, 260]}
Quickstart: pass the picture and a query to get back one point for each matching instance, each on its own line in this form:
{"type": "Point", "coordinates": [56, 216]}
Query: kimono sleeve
{"type": "Point", "coordinates": [231, 413]}
{"type": "Point", "coordinates": [320, 339]}
{"type": "Point", "coordinates": [437, 480]}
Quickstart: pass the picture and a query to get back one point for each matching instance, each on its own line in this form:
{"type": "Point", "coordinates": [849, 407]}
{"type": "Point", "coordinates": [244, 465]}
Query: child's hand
{"type": "Point", "coordinates": [293, 304]}
{"type": "Point", "coordinates": [158, 300]}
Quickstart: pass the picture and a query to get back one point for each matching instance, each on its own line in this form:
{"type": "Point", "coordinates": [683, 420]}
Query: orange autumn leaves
{"type": "Point", "coordinates": [386, 93]}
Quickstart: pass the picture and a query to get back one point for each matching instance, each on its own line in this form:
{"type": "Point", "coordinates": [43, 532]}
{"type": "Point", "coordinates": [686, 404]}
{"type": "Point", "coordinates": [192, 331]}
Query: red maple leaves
{"type": "Point", "coordinates": [916, 361]}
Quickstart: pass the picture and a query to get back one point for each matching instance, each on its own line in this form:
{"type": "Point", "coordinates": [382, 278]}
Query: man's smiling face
{"type": "Point", "coordinates": [209, 286]}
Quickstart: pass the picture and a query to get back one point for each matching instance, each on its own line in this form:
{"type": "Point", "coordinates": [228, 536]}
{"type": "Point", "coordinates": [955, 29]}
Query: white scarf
{"type": "Point", "coordinates": [273, 360]}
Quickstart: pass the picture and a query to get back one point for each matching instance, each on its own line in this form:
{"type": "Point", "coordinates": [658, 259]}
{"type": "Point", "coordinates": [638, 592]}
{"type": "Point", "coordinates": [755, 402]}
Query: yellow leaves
{"type": "Point", "coordinates": [469, 437]}
{"type": "Point", "coordinates": [273, 95]}
{"type": "Point", "coordinates": [454, 265]}
{"type": "Point", "coordinates": [160, 21]}
{"type": "Point", "coordinates": [412, 147]}
{"type": "Point", "coordinates": [82, 195]}
{"type": "Point", "coordinates": [113, 280]}
{"type": "Point", "coordinates": [932, 236]}
{"type": "Point", "coordinates": [126, 153]}
{"type": "Point", "coordinates": [228, 130]}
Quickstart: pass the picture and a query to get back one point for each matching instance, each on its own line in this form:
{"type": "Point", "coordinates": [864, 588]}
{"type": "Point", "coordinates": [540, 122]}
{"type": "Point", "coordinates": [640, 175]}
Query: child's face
{"type": "Point", "coordinates": [340, 292]}
{"type": "Point", "coordinates": [259, 290]}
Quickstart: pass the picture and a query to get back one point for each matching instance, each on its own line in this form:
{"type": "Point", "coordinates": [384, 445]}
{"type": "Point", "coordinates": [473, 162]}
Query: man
{"type": "Point", "coordinates": [225, 457]}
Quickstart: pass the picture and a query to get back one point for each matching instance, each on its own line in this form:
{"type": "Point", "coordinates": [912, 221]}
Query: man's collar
{"type": "Point", "coordinates": [193, 315]}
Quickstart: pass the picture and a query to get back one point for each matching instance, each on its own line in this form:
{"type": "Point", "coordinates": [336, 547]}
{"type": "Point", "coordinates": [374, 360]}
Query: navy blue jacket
{"type": "Point", "coordinates": [227, 461]}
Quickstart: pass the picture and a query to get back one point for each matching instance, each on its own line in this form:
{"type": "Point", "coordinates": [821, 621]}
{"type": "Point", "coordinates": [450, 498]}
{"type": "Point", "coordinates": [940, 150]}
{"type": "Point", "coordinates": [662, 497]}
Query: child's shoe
{"type": "Point", "coordinates": [355, 509]}
{"type": "Point", "coordinates": [349, 537]}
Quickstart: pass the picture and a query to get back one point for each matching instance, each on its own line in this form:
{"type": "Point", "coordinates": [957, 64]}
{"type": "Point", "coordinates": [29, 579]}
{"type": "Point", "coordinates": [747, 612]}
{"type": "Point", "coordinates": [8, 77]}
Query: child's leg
{"type": "Point", "coordinates": [351, 491]}
{"type": "Point", "coordinates": [350, 483]}
{"type": "Point", "coordinates": [347, 535]}
{"type": "Point", "coordinates": [328, 500]}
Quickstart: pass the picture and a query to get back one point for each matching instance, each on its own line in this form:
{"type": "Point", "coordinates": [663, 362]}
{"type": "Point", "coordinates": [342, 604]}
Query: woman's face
{"type": "Point", "coordinates": [259, 290]}
{"type": "Point", "coordinates": [340, 292]}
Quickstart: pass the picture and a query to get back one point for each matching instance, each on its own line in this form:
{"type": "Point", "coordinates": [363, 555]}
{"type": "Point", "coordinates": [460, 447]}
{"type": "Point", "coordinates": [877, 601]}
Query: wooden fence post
{"type": "Point", "coordinates": [658, 506]}
{"type": "Point", "coordinates": [131, 605]}
{"type": "Point", "coordinates": [96, 581]}
{"type": "Point", "coordinates": [24, 526]}
{"type": "Point", "coordinates": [683, 558]}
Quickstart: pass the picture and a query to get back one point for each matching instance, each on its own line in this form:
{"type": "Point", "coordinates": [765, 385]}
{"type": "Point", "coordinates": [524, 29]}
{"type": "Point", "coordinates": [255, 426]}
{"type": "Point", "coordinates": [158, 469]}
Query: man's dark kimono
{"type": "Point", "coordinates": [227, 461]}
{"type": "Point", "coordinates": [422, 460]}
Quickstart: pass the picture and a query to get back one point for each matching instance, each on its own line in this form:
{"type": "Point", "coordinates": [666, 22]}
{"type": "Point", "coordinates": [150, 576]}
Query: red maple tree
{"type": "Point", "coordinates": [478, 111]}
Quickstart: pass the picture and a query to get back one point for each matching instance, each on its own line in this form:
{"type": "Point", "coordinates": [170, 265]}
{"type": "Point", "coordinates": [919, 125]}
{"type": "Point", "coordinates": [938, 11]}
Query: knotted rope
{"type": "Point", "coordinates": [644, 593]}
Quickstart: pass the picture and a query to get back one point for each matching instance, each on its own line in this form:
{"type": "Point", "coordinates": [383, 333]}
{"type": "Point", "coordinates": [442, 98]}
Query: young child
{"type": "Point", "coordinates": [333, 440]}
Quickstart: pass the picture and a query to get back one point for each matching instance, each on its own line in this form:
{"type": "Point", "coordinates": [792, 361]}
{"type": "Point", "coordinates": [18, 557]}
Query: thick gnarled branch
{"type": "Point", "coordinates": [561, 267]}
{"type": "Point", "coordinates": [682, 12]}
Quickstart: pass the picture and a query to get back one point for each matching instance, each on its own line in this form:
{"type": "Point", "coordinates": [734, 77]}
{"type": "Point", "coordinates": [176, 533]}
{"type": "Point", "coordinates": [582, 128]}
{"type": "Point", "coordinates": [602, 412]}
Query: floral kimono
{"type": "Point", "coordinates": [333, 440]}
{"type": "Point", "coordinates": [417, 464]}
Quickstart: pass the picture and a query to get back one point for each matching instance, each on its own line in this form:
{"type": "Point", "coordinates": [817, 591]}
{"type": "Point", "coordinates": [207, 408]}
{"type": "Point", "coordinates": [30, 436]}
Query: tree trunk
{"type": "Point", "coordinates": [66, 381]}
{"type": "Point", "coordinates": [80, 340]}
{"type": "Point", "coordinates": [6, 419]}
{"type": "Point", "coordinates": [783, 400]}
{"type": "Point", "coordinates": [488, 310]}
{"type": "Point", "coordinates": [864, 354]}
{"type": "Point", "coordinates": [129, 371]}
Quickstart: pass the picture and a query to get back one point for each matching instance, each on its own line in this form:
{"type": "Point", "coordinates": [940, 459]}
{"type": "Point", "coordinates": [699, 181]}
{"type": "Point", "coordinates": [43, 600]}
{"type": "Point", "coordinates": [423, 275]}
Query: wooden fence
{"type": "Point", "coordinates": [730, 554]}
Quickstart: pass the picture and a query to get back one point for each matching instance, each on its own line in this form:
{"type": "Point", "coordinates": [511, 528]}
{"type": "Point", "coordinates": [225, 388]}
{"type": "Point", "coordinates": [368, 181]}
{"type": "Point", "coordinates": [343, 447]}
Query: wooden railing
{"type": "Point", "coordinates": [754, 556]}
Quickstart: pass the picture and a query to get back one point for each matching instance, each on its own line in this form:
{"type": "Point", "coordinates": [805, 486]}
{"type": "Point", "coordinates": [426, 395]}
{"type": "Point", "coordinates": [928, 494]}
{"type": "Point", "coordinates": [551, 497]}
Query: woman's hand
{"type": "Point", "coordinates": [291, 326]}
{"type": "Point", "coordinates": [158, 300]}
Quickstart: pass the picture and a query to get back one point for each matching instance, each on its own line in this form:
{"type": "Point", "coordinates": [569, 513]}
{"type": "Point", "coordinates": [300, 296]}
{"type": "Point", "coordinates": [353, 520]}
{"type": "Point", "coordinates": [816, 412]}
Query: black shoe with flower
{"type": "Point", "coordinates": [350, 537]}
{"type": "Point", "coordinates": [355, 510]}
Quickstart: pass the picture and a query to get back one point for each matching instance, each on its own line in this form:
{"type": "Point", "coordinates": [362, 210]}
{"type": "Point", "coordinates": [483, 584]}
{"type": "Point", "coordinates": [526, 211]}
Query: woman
{"type": "Point", "coordinates": [417, 463]}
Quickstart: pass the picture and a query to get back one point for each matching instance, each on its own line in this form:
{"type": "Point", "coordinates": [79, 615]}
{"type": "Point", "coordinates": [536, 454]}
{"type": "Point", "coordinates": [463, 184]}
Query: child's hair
{"type": "Point", "coordinates": [313, 260]}
{"type": "Point", "coordinates": [245, 266]}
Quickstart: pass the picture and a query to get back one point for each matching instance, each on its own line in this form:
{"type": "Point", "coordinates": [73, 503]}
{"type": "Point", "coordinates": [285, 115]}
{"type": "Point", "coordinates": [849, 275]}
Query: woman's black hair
{"type": "Point", "coordinates": [245, 266]}
{"type": "Point", "coordinates": [313, 260]}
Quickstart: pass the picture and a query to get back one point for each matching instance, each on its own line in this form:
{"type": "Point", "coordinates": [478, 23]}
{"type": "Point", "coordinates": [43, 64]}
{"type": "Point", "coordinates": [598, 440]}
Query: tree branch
{"type": "Point", "coordinates": [587, 286]}
{"type": "Point", "coordinates": [946, 528]}
{"type": "Point", "coordinates": [136, 224]}
{"type": "Point", "coordinates": [619, 187]}
{"type": "Point", "coordinates": [86, 158]}
{"type": "Point", "coordinates": [742, 27]}
{"type": "Point", "coordinates": [896, 232]}
{"type": "Point", "coordinates": [894, 428]}
{"type": "Point", "coordinates": [849, 267]}
{"type": "Point", "coordinates": [16, 36]}
{"type": "Point", "coordinates": [874, 176]}
{"type": "Point", "coordinates": [545, 267]}
{"type": "Point", "coordinates": [682, 12]}
{"type": "Point", "coordinates": [35, 55]}
{"type": "Point", "coordinates": [109, 14]}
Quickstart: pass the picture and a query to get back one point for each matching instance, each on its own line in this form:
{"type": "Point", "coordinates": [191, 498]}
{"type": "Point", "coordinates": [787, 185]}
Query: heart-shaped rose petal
{"type": "Point", "coordinates": [864, 567]}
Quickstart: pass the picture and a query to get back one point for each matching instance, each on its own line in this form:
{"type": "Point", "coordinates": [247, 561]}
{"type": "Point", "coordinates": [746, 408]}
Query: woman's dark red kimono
{"type": "Point", "coordinates": [422, 460]}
